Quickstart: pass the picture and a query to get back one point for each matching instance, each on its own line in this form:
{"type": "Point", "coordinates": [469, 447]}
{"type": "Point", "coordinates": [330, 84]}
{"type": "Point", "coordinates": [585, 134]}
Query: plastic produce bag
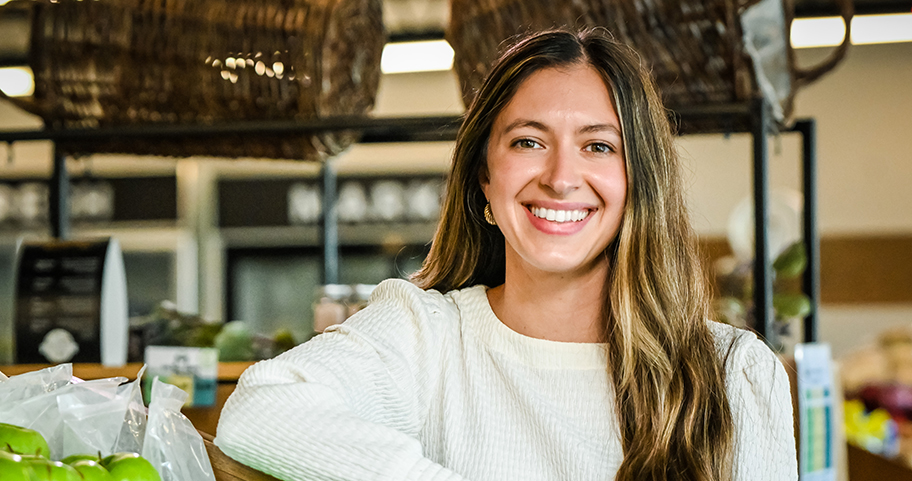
{"type": "Point", "coordinates": [172, 444]}
{"type": "Point", "coordinates": [30, 400]}
{"type": "Point", "coordinates": [31, 384]}
{"type": "Point", "coordinates": [104, 416]}
{"type": "Point", "coordinates": [75, 416]}
{"type": "Point", "coordinates": [133, 430]}
{"type": "Point", "coordinates": [107, 416]}
{"type": "Point", "coordinates": [91, 414]}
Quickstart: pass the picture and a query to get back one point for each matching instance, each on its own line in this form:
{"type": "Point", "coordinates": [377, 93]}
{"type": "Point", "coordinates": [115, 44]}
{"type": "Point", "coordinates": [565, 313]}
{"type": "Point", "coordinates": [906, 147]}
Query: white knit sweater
{"type": "Point", "coordinates": [425, 386]}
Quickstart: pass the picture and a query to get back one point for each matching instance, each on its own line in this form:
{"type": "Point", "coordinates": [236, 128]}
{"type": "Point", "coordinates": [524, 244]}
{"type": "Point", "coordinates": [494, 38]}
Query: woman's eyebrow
{"type": "Point", "coordinates": [586, 129]}
{"type": "Point", "coordinates": [518, 123]}
{"type": "Point", "coordinates": [589, 129]}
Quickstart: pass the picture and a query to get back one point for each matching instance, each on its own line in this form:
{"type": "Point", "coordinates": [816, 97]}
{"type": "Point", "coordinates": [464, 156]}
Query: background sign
{"type": "Point", "coordinates": [816, 412]}
{"type": "Point", "coordinates": [71, 303]}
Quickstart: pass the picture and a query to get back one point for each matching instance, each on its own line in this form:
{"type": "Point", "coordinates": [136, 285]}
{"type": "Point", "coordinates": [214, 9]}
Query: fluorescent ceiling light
{"type": "Point", "coordinates": [866, 29]}
{"type": "Point", "coordinates": [817, 32]}
{"type": "Point", "coordinates": [17, 81]}
{"type": "Point", "coordinates": [424, 56]}
{"type": "Point", "coordinates": [882, 29]}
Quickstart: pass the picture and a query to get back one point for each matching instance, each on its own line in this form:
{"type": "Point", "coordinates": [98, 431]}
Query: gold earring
{"type": "Point", "coordinates": [489, 216]}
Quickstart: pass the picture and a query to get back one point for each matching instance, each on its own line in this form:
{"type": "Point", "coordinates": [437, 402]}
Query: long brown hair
{"type": "Point", "coordinates": [673, 411]}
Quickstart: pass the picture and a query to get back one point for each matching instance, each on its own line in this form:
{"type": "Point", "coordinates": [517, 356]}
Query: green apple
{"type": "Point", "coordinates": [19, 440]}
{"type": "Point", "coordinates": [130, 467]}
{"type": "Point", "coordinates": [92, 470]}
{"type": "Point", "coordinates": [71, 459]}
{"type": "Point", "coordinates": [46, 470]}
{"type": "Point", "coordinates": [14, 468]}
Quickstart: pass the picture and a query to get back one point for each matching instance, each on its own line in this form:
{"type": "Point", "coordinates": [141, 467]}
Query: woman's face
{"type": "Point", "coordinates": [556, 177]}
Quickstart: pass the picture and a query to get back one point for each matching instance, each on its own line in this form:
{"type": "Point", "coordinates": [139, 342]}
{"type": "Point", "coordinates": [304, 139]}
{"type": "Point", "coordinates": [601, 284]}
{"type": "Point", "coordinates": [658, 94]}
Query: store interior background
{"type": "Point", "coordinates": [863, 111]}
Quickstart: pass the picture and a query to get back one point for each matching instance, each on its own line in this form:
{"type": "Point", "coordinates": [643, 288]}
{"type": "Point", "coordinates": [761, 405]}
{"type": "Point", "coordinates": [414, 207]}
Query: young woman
{"type": "Point", "coordinates": [559, 327]}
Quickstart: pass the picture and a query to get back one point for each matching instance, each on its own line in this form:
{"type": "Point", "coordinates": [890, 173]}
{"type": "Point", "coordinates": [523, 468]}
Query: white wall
{"type": "Point", "coordinates": [863, 112]}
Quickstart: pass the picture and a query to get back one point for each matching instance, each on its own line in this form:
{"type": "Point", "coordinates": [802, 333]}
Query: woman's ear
{"type": "Point", "coordinates": [483, 181]}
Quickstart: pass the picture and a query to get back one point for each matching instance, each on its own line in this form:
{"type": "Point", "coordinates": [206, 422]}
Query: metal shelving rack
{"type": "Point", "coordinates": [754, 118]}
{"type": "Point", "coordinates": [749, 117]}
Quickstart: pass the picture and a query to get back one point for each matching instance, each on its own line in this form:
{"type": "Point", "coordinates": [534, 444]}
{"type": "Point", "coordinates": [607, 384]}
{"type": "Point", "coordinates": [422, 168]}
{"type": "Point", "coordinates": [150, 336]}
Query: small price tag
{"type": "Point", "coordinates": [193, 369]}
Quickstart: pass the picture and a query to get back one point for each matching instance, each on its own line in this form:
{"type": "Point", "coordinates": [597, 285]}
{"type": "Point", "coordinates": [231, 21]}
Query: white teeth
{"type": "Point", "coordinates": [560, 215]}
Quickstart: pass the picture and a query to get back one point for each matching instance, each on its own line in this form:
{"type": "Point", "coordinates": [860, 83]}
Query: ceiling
{"type": "Point", "coordinates": [824, 8]}
{"type": "Point", "coordinates": [420, 19]}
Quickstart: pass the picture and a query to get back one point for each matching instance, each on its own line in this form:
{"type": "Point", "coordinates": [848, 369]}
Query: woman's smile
{"type": "Point", "coordinates": [556, 220]}
{"type": "Point", "coordinates": [559, 216]}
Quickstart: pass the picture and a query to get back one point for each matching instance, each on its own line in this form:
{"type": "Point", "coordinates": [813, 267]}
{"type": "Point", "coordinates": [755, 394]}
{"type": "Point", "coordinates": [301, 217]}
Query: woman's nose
{"type": "Point", "coordinates": [561, 172]}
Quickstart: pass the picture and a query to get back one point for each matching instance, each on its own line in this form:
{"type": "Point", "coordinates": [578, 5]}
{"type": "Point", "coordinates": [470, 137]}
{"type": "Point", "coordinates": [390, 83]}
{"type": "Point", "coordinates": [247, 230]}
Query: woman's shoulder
{"type": "Point", "coordinates": [401, 293]}
{"type": "Point", "coordinates": [740, 348]}
{"type": "Point", "coordinates": [760, 398]}
{"type": "Point", "coordinates": [399, 304]}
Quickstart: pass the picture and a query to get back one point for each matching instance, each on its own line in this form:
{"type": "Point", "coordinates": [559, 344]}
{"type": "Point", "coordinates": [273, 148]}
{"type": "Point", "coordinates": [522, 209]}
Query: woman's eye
{"type": "Point", "coordinates": [599, 148]}
{"type": "Point", "coordinates": [526, 144]}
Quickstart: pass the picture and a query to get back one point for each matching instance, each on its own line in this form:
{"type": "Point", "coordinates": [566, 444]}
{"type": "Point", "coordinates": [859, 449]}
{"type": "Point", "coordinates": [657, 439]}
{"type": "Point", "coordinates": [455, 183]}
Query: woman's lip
{"type": "Point", "coordinates": [560, 205]}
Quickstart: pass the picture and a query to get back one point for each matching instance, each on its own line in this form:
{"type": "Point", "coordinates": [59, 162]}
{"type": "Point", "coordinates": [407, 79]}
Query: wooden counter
{"type": "Point", "coordinates": [227, 371]}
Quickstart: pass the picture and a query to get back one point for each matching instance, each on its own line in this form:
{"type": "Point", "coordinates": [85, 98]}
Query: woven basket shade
{"type": "Point", "coordinates": [695, 48]}
{"type": "Point", "coordinates": [109, 63]}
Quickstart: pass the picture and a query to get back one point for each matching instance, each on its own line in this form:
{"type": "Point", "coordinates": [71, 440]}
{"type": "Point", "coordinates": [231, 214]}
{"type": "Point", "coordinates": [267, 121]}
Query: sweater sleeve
{"type": "Point", "coordinates": [348, 404]}
{"type": "Point", "coordinates": [761, 400]}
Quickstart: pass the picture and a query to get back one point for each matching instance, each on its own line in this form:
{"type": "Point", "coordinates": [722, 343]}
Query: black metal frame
{"type": "Point", "coordinates": [811, 281]}
{"type": "Point", "coordinates": [750, 117]}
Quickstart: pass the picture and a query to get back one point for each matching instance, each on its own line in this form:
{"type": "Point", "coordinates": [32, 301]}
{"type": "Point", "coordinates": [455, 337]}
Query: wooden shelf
{"type": "Point", "coordinates": [204, 418]}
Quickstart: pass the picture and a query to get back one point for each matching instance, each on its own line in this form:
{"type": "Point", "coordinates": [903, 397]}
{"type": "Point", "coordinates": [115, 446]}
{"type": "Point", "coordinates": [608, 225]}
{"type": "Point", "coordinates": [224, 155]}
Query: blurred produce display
{"type": "Point", "coordinates": [874, 430]}
{"type": "Point", "coordinates": [877, 379]}
{"type": "Point", "coordinates": [235, 341]}
{"type": "Point", "coordinates": [735, 302]}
